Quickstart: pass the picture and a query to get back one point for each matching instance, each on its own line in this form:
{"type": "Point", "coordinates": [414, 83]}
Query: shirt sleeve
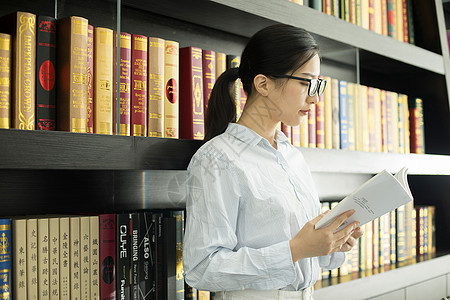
{"type": "Point", "coordinates": [332, 261]}
{"type": "Point", "coordinates": [210, 259]}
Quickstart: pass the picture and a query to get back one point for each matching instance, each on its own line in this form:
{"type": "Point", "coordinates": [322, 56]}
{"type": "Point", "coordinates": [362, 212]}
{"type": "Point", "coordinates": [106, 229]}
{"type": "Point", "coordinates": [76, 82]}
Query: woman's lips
{"type": "Point", "coordinates": [305, 112]}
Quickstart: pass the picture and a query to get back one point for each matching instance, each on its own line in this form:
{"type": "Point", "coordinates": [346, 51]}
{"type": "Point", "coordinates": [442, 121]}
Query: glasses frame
{"type": "Point", "coordinates": [311, 93]}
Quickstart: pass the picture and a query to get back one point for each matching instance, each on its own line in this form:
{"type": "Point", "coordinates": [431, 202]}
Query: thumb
{"type": "Point", "coordinates": [316, 219]}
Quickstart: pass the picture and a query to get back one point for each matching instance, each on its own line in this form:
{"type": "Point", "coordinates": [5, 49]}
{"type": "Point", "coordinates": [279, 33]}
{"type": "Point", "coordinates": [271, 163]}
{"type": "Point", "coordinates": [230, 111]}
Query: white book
{"type": "Point", "coordinates": [377, 196]}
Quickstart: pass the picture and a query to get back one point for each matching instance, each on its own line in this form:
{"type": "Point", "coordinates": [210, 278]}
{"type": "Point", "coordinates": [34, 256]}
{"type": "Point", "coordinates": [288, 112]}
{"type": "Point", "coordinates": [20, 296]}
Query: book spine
{"type": "Point", "coordinates": [311, 128]}
{"type": "Point", "coordinates": [170, 256]}
{"type": "Point", "coordinates": [171, 85]}
{"type": "Point", "coordinates": [425, 230]}
{"type": "Point", "coordinates": [400, 122]}
{"type": "Point", "coordinates": [75, 272]}
{"type": "Point", "coordinates": [85, 243]}
{"type": "Point", "coordinates": [371, 118]}
{"type": "Point", "coordinates": [295, 135]}
{"type": "Point", "coordinates": [431, 229]}
{"type": "Point", "coordinates": [358, 12]}
{"type": "Point", "coordinates": [394, 126]}
{"type": "Point", "coordinates": [378, 17]}
{"type": "Point", "coordinates": [94, 257]}
{"type": "Point", "coordinates": [345, 10]}
{"type": "Point", "coordinates": [375, 244]}
{"type": "Point", "coordinates": [179, 217]}
{"type": "Point", "coordinates": [391, 18]}
{"type": "Point", "coordinates": [5, 259]}
{"type": "Point", "coordinates": [209, 75]}
{"type": "Point", "coordinates": [384, 18]}
{"type": "Point", "coordinates": [411, 36]}
{"type": "Point", "coordinates": [364, 118]}
{"type": "Point", "coordinates": [191, 293]}
{"type": "Point", "coordinates": [369, 245]}
{"type": "Point", "coordinates": [320, 123]}
{"type": "Point", "coordinates": [43, 259]}
{"type": "Point", "coordinates": [372, 17]}
{"type": "Point", "coordinates": [72, 79]}
{"type": "Point", "coordinates": [90, 80]}
{"type": "Point", "coordinates": [384, 122]}
{"type": "Point", "coordinates": [233, 61]}
{"type": "Point", "coordinates": [389, 116]}
{"type": "Point", "coordinates": [204, 295]}
{"type": "Point", "coordinates": [343, 114]}
{"type": "Point", "coordinates": [377, 117]}
{"type": "Point", "coordinates": [221, 63]}
{"type": "Point", "coordinates": [103, 79]}
{"type": "Point", "coordinates": [351, 116]}
{"type": "Point", "coordinates": [392, 235]}
{"type": "Point", "coordinates": [405, 21]}
{"type": "Point", "coordinates": [335, 113]}
{"type": "Point", "coordinates": [401, 234]}
{"type": "Point", "coordinates": [107, 242]}
{"type": "Point", "coordinates": [380, 243]}
{"type": "Point", "coordinates": [326, 7]}
{"type": "Point", "coordinates": [304, 132]}
{"type": "Point", "coordinates": [191, 94]}
{"type": "Point", "coordinates": [64, 261]}
{"type": "Point", "coordinates": [399, 20]}
{"type": "Point", "coordinates": [352, 12]}
{"type": "Point", "coordinates": [420, 231]}
{"type": "Point", "coordinates": [161, 290]}
{"type": "Point", "coordinates": [328, 115]}
{"type": "Point", "coordinates": [365, 14]}
{"type": "Point", "coordinates": [6, 59]}
{"type": "Point", "coordinates": [414, 234]}
{"type": "Point", "coordinates": [32, 259]}
{"type": "Point", "coordinates": [406, 124]}
{"type": "Point", "coordinates": [145, 278]}
{"type": "Point", "coordinates": [139, 57]}
{"type": "Point", "coordinates": [135, 262]}
{"type": "Point", "coordinates": [123, 248]}
{"type": "Point", "coordinates": [357, 117]}
{"type": "Point", "coordinates": [124, 85]}
{"type": "Point", "coordinates": [156, 87]}
{"type": "Point", "coordinates": [45, 68]}
{"type": "Point", "coordinates": [19, 230]}
{"type": "Point", "coordinates": [53, 230]}
{"type": "Point", "coordinates": [156, 254]}
{"type": "Point", "coordinates": [417, 143]}
{"type": "Point", "coordinates": [316, 4]}
{"type": "Point", "coordinates": [335, 8]}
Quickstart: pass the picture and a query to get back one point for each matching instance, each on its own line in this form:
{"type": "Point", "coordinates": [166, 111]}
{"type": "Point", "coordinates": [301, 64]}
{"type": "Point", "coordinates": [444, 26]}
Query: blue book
{"type": "Point", "coordinates": [5, 259]}
{"type": "Point", "coordinates": [343, 114]}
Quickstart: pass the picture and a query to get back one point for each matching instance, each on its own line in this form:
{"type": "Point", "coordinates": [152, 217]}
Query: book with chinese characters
{"type": "Point", "coordinates": [379, 195]}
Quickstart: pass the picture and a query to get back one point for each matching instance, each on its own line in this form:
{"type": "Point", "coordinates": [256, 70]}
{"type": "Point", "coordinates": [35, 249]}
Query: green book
{"type": "Point", "coordinates": [316, 4]}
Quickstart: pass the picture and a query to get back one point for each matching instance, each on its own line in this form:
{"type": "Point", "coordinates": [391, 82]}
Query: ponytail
{"type": "Point", "coordinates": [221, 106]}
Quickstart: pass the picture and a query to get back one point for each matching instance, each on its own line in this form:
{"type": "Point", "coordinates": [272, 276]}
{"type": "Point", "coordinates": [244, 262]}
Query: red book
{"type": "Point", "coordinates": [90, 71]}
{"type": "Point", "coordinates": [320, 123]}
{"type": "Point", "coordinates": [124, 81]}
{"type": "Point", "coordinates": [417, 144]}
{"type": "Point", "coordinates": [405, 22]}
{"type": "Point", "coordinates": [209, 74]}
{"type": "Point", "coordinates": [107, 249]}
{"type": "Point", "coordinates": [191, 94]}
{"type": "Point", "coordinates": [139, 48]}
{"type": "Point", "coordinates": [372, 15]}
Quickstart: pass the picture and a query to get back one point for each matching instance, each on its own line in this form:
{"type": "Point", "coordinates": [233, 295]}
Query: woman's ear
{"type": "Point", "coordinates": [262, 84]}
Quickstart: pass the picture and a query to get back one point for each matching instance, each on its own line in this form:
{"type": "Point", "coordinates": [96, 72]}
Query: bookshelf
{"type": "Point", "coordinates": [60, 172]}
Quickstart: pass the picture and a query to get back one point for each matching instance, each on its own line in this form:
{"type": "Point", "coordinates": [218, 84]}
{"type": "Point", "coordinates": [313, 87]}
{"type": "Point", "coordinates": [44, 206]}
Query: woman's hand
{"type": "Point", "coordinates": [310, 242]}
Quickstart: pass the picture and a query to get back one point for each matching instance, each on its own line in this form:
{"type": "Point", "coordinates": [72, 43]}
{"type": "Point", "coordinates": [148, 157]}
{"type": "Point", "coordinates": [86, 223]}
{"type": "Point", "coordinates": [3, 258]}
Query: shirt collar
{"type": "Point", "coordinates": [249, 136]}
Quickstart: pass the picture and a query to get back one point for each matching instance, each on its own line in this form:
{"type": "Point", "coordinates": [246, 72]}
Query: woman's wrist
{"type": "Point", "coordinates": [295, 251]}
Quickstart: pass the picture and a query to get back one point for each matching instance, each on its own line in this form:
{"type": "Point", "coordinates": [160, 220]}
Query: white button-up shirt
{"type": "Point", "coordinates": [245, 201]}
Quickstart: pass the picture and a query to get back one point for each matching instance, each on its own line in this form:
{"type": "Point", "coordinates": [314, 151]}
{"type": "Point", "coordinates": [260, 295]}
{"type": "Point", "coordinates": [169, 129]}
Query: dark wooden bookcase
{"type": "Point", "coordinates": [61, 172]}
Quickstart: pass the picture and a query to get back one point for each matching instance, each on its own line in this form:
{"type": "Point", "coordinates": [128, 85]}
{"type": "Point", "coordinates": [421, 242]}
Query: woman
{"type": "Point", "coordinates": [251, 202]}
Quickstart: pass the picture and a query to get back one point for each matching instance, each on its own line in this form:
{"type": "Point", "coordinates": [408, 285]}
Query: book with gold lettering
{"type": "Point", "coordinates": [209, 75]}
{"type": "Point", "coordinates": [45, 73]}
{"type": "Point", "coordinates": [19, 256]}
{"type": "Point", "coordinates": [124, 84]}
{"type": "Point", "coordinates": [22, 26]}
{"type": "Point", "coordinates": [417, 142]}
{"type": "Point", "coordinates": [221, 63]}
{"type": "Point", "coordinates": [406, 122]}
{"type": "Point", "coordinates": [5, 259]}
{"type": "Point", "coordinates": [171, 86]}
{"type": "Point", "coordinates": [43, 258]}
{"type": "Point", "coordinates": [156, 89]}
{"type": "Point", "coordinates": [74, 258]}
{"type": "Point", "coordinates": [139, 63]}
{"type": "Point", "coordinates": [103, 79]}
{"type": "Point", "coordinates": [5, 79]}
{"type": "Point", "coordinates": [191, 94]}
{"type": "Point", "coordinates": [90, 79]}
{"type": "Point", "coordinates": [72, 70]}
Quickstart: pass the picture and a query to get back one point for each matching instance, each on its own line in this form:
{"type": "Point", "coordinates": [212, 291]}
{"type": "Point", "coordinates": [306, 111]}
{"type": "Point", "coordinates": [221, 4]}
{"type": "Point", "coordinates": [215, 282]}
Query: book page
{"type": "Point", "coordinates": [377, 196]}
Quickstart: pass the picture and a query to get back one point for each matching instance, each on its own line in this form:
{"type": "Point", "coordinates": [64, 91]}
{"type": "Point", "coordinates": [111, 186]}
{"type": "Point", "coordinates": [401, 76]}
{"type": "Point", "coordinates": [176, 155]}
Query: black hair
{"type": "Point", "coordinates": [277, 49]}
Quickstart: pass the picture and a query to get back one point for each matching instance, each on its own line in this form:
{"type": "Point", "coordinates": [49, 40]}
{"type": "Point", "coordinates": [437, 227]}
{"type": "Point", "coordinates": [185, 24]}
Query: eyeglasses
{"type": "Point", "coordinates": [315, 85]}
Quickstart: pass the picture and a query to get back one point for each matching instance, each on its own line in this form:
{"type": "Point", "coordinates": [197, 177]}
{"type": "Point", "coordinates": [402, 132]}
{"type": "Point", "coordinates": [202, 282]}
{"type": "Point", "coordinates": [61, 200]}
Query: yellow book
{"type": "Point", "coordinates": [304, 132]}
{"type": "Point", "coordinates": [335, 114]}
{"type": "Point", "coordinates": [406, 124]}
{"type": "Point", "coordinates": [384, 120]}
{"type": "Point", "coordinates": [364, 115]}
{"type": "Point", "coordinates": [378, 127]}
{"type": "Point", "coordinates": [19, 236]}
{"type": "Point", "coordinates": [155, 87]}
{"type": "Point", "coordinates": [296, 136]}
{"type": "Point", "coordinates": [351, 116]}
{"type": "Point", "coordinates": [398, 20]}
{"type": "Point", "coordinates": [32, 259]}
{"type": "Point", "coordinates": [414, 234]}
{"type": "Point", "coordinates": [365, 14]}
{"type": "Point", "coordinates": [171, 95]}
{"type": "Point", "coordinates": [43, 258]}
{"type": "Point", "coordinates": [357, 114]}
{"type": "Point", "coordinates": [84, 259]}
{"type": "Point", "coordinates": [103, 78]}
{"type": "Point", "coordinates": [368, 234]}
{"type": "Point", "coordinates": [5, 80]}
{"type": "Point", "coordinates": [53, 233]}
{"type": "Point", "coordinates": [221, 63]}
{"type": "Point", "coordinates": [94, 257]}
{"type": "Point", "coordinates": [328, 115]}
{"type": "Point", "coordinates": [204, 295]}
{"type": "Point", "coordinates": [64, 258]}
{"type": "Point", "coordinates": [334, 272]}
{"type": "Point", "coordinates": [377, 12]}
{"type": "Point", "coordinates": [74, 238]}
{"type": "Point", "coordinates": [297, 1]}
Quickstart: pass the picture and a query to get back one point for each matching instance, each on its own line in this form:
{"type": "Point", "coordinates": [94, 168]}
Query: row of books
{"type": "Point", "coordinates": [356, 117]}
{"type": "Point", "coordinates": [395, 238]}
{"type": "Point", "coordinates": [392, 18]}
{"type": "Point", "coordinates": [76, 90]}
{"type": "Point", "coordinates": [134, 255]}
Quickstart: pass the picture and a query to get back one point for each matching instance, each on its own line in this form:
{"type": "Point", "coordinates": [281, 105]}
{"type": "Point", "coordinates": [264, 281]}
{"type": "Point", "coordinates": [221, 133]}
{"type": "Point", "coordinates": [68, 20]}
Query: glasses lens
{"type": "Point", "coordinates": [313, 86]}
{"type": "Point", "coordinates": [322, 86]}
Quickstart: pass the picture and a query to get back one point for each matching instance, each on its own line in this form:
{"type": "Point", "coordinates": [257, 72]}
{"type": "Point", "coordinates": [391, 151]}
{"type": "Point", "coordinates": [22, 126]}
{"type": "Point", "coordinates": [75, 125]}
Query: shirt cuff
{"type": "Point", "coordinates": [278, 259]}
{"type": "Point", "coordinates": [332, 261]}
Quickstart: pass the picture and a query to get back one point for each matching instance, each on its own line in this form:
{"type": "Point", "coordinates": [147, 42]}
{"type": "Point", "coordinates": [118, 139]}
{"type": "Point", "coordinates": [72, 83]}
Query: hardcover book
{"type": "Point", "coordinates": [139, 65]}
{"type": "Point", "coordinates": [351, 116]}
{"type": "Point", "coordinates": [156, 87]}
{"type": "Point", "coordinates": [328, 115]}
{"type": "Point", "coordinates": [94, 257]}
{"type": "Point", "coordinates": [19, 257]}
{"type": "Point", "coordinates": [335, 113]}
{"type": "Point", "coordinates": [171, 86]}
{"type": "Point", "coordinates": [6, 59]}
{"type": "Point", "coordinates": [107, 243]}
{"type": "Point", "coordinates": [54, 246]}
{"type": "Point", "coordinates": [209, 75]}
{"type": "Point", "coordinates": [123, 251]}
{"type": "Point", "coordinates": [85, 243]}
{"type": "Point", "coordinates": [64, 258]}
{"type": "Point", "coordinates": [343, 114]}
{"type": "Point", "coordinates": [90, 79]}
{"type": "Point", "coordinates": [74, 258]}
{"type": "Point", "coordinates": [124, 86]}
{"type": "Point", "coordinates": [43, 258]}
{"type": "Point", "coordinates": [45, 71]}
{"type": "Point", "coordinates": [5, 259]}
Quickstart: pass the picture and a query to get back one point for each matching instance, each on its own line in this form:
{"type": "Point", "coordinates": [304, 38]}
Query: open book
{"type": "Point", "coordinates": [377, 196]}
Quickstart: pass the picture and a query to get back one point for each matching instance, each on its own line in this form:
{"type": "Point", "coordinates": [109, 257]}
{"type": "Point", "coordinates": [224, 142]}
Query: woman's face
{"type": "Point", "coordinates": [292, 98]}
